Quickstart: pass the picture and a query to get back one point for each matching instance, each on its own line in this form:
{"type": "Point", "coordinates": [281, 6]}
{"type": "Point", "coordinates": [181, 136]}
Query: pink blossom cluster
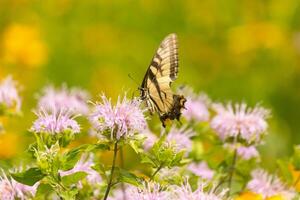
{"type": "Point", "coordinates": [196, 106]}
{"type": "Point", "coordinates": [56, 122]}
{"type": "Point", "coordinates": [72, 99]}
{"type": "Point", "coordinates": [155, 191]}
{"type": "Point", "coordinates": [122, 120]}
{"type": "Point", "coordinates": [202, 170]}
{"type": "Point", "coordinates": [269, 185]}
{"type": "Point", "coordinates": [240, 121]}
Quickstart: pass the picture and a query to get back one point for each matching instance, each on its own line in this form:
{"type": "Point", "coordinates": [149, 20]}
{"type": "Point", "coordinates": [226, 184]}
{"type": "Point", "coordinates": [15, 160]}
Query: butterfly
{"type": "Point", "coordinates": [155, 89]}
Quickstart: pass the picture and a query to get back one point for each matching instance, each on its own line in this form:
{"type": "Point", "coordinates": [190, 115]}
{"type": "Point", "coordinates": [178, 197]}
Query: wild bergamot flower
{"type": "Point", "coordinates": [240, 121]}
{"type": "Point", "coordinates": [55, 122]}
{"type": "Point", "coordinates": [64, 98]}
{"type": "Point", "coordinates": [268, 185]}
{"type": "Point", "coordinates": [122, 120]}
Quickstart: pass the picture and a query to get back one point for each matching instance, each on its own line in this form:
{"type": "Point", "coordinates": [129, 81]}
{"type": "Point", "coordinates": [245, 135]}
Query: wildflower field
{"type": "Point", "coordinates": [79, 119]}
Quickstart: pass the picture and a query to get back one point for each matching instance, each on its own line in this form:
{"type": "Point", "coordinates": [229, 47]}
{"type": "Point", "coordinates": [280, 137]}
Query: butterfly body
{"type": "Point", "coordinates": [156, 86]}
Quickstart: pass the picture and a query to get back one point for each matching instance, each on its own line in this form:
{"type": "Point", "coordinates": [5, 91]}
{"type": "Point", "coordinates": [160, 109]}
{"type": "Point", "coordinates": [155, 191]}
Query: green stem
{"type": "Point", "coordinates": [156, 171]}
{"type": "Point", "coordinates": [231, 172]}
{"type": "Point", "coordinates": [112, 171]}
{"type": "Point", "coordinates": [122, 166]}
{"type": "Point", "coordinates": [219, 185]}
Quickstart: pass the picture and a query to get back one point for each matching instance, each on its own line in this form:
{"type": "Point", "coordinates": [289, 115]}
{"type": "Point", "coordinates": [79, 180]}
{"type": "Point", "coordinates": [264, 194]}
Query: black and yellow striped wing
{"type": "Point", "coordinates": [156, 85]}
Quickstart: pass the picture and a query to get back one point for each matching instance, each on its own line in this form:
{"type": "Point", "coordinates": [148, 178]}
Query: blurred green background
{"type": "Point", "coordinates": [233, 50]}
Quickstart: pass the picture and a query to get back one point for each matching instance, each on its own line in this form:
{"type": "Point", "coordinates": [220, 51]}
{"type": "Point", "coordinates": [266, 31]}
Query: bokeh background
{"type": "Point", "coordinates": [233, 50]}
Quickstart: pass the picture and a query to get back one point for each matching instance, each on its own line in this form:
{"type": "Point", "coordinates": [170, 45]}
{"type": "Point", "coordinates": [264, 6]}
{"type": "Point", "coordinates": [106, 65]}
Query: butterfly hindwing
{"type": "Point", "coordinates": [156, 86]}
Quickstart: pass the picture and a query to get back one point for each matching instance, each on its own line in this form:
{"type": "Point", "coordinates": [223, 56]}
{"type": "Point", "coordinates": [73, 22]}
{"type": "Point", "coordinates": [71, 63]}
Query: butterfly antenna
{"type": "Point", "coordinates": [133, 94]}
{"type": "Point", "coordinates": [129, 75]}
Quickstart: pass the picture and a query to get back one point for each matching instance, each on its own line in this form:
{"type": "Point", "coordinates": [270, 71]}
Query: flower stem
{"type": "Point", "coordinates": [156, 171]}
{"type": "Point", "coordinates": [122, 166]}
{"type": "Point", "coordinates": [112, 171]}
{"type": "Point", "coordinates": [231, 172]}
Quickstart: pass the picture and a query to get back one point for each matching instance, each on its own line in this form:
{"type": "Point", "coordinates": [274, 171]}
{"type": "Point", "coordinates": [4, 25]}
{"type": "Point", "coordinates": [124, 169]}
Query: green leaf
{"type": "Point", "coordinates": [100, 146]}
{"type": "Point", "coordinates": [147, 160]}
{"type": "Point", "coordinates": [177, 159]}
{"type": "Point", "coordinates": [100, 168]}
{"type": "Point", "coordinates": [69, 195]}
{"type": "Point", "coordinates": [72, 157]}
{"type": "Point", "coordinates": [135, 146]}
{"type": "Point", "coordinates": [128, 177]}
{"type": "Point", "coordinates": [43, 189]}
{"type": "Point", "coordinates": [286, 173]}
{"type": "Point", "coordinates": [29, 177]}
{"type": "Point", "coordinates": [73, 178]}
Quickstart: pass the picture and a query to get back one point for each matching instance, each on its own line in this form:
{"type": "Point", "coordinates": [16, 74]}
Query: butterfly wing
{"type": "Point", "coordinates": [156, 86]}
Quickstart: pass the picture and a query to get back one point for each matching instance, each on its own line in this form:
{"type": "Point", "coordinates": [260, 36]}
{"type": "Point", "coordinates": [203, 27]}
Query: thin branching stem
{"type": "Point", "coordinates": [231, 171]}
{"type": "Point", "coordinates": [156, 171]}
{"type": "Point", "coordinates": [112, 171]}
{"type": "Point", "coordinates": [122, 166]}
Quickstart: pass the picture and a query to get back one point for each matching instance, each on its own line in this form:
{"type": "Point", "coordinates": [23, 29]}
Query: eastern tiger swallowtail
{"type": "Point", "coordinates": [156, 86]}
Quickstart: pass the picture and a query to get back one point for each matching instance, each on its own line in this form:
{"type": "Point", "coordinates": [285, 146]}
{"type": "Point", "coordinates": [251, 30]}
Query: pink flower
{"type": "Point", "coordinates": [54, 122]}
{"type": "Point", "coordinates": [196, 106]}
{"type": "Point", "coordinates": [268, 186]}
{"type": "Point", "coordinates": [149, 191]}
{"type": "Point", "coordinates": [74, 99]}
{"type": "Point", "coordinates": [151, 138]}
{"type": "Point", "coordinates": [202, 170]}
{"type": "Point", "coordinates": [9, 95]}
{"type": "Point", "coordinates": [247, 123]}
{"type": "Point", "coordinates": [185, 192]}
{"type": "Point", "coordinates": [10, 189]}
{"type": "Point", "coordinates": [181, 138]}
{"type": "Point", "coordinates": [123, 120]}
{"type": "Point", "coordinates": [120, 194]}
{"type": "Point", "coordinates": [247, 152]}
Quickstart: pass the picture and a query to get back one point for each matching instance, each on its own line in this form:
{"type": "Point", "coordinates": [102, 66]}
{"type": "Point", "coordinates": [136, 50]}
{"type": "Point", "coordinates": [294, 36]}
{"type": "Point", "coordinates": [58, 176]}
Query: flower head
{"type": "Point", "coordinates": [149, 191]}
{"type": "Point", "coordinates": [201, 169]}
{"type": "Point", "coordinates": [196, 106]}
{"type": "Point", "coordinates": [120, 194]}
{"type": "Point", "coordinates": [10, 189]}
{"type": "Point", "coordinates": [185, 192]}
{"type": "Point", "coordinates": [247, 152]}
{"type": "Point", "coordinates": [240, 121]}
{"type": "Point", "coordinates": [266, 185]}
{"type": "Point", "coordinates": [181, 138]}
{"type": "Point", "coordinates": [123, 120]}
{"type": "Point", "coordinates": [9, 96]}
{"type": "Point", "coordinates": [151, 138]}
{"type": "Point", "coordinates": [55, 122]}
{"type": "Point", "coordinates": [73, 99]}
